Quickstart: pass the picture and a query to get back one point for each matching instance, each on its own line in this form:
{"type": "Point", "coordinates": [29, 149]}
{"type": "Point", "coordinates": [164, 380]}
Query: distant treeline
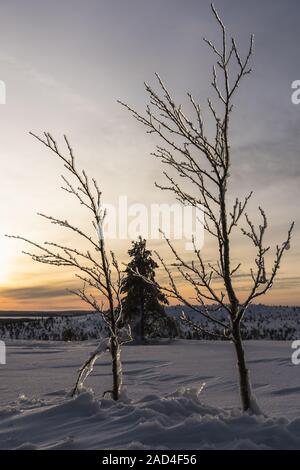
{"type": "Point", "coordinates": [261, 322]}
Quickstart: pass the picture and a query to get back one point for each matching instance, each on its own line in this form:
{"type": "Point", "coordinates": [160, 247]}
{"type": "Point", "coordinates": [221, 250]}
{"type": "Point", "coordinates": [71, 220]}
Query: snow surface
{"type": "Point", "coordinates": [181, 395]}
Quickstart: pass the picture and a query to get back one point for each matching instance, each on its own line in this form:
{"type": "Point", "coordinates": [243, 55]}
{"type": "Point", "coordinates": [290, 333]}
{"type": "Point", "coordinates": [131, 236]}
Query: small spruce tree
{"type": "Point", "coordinates": [143, 303]}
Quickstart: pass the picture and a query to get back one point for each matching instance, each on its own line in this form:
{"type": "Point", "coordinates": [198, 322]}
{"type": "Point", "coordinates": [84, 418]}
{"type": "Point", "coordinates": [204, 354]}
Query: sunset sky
{"type": "Point", "coordinates": [65, 63]}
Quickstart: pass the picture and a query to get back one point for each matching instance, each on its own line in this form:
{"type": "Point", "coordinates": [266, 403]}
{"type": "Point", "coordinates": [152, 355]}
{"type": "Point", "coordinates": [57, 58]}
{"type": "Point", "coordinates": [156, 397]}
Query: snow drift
{"type": "Point", "coordinates": [175, 421]}
{"type": "Point", "coordinates": [37, 413]}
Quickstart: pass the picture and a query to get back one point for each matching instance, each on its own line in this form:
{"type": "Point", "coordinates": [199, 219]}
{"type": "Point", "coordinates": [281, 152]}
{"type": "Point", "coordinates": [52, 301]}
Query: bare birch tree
{"type": "Point", "coordinates": [98, 271]}
{"type": "Point", "coordinates": [204, 163]}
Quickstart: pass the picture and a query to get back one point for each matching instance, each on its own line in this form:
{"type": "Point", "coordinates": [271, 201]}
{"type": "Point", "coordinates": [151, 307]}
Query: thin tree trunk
{"type": "Point", "coordinates": [225, 253]}
{"type": "Point", "coordinates": [244, 380]}
{"type": "Point", "coordinates": [142, 326]}
{"type": "Point", "coordinates": [116, 369]}
{"type": "Point", "coordinates": [115, 348]}
{"type": "Point", "coordinates": [142, 318]}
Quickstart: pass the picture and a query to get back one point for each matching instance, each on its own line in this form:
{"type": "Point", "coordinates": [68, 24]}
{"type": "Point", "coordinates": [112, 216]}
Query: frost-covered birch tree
{"type": "Point", "coordinates": [97, 270]}
{"type": "Point", "coordinates": [203, 162]}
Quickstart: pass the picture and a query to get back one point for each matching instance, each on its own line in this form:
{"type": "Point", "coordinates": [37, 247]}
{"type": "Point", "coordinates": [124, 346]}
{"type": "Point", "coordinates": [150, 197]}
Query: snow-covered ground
{"type": "Point", "coordinates": [163, 408]}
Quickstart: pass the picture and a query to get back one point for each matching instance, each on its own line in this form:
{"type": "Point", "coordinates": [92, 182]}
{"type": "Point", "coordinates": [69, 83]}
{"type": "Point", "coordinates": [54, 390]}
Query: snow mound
{"type": "Point", "coordinates": [175, 421]}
